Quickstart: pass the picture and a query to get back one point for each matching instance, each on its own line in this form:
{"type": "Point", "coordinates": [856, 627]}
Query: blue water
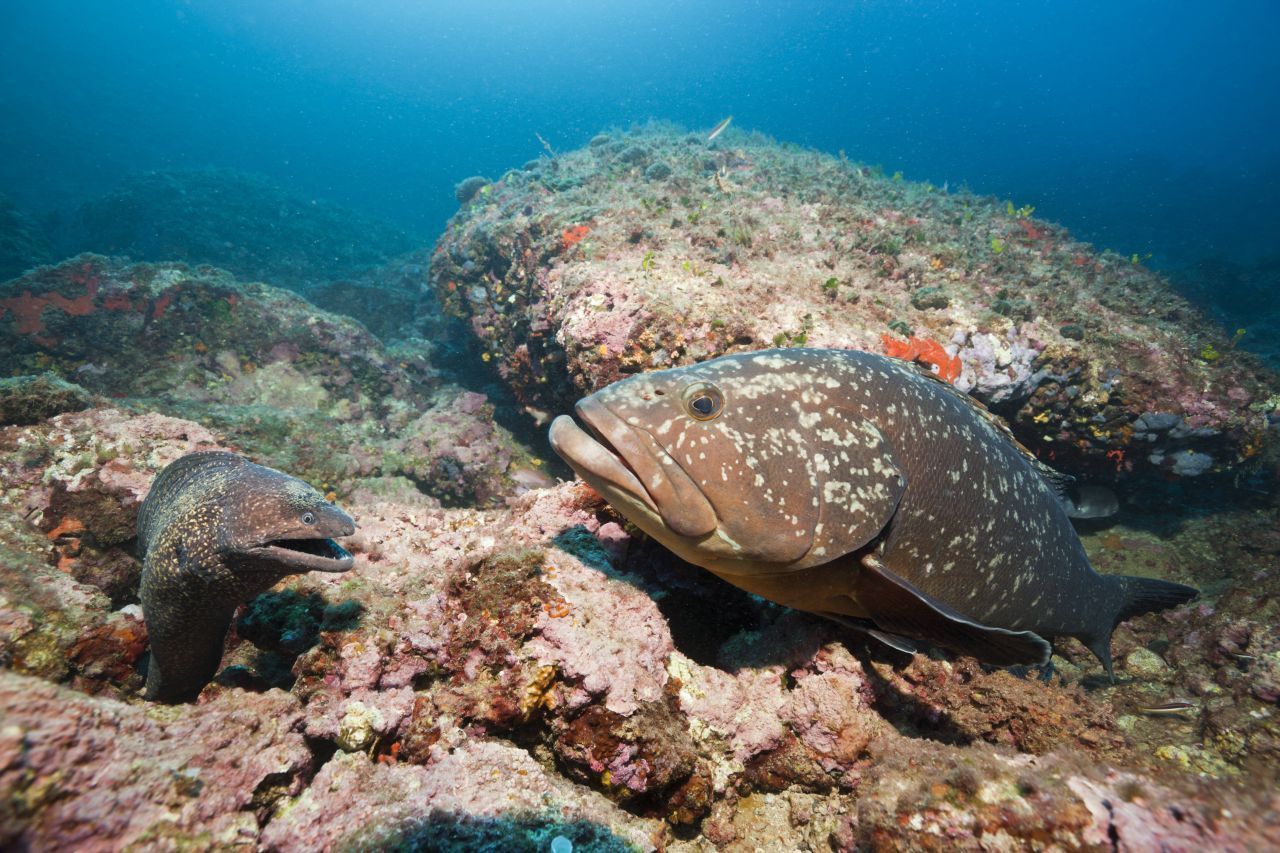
{"type": "Point", "coordinates": [1143, 126]}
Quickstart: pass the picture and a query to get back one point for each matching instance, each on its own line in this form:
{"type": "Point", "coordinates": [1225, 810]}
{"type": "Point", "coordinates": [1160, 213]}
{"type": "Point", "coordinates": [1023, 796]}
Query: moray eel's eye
{"type": "Point", "coordinates": [308, 518]}
{"type": "Point", "coordinates": [703, 401]}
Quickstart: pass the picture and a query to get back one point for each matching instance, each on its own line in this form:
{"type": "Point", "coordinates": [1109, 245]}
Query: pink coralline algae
{"type": "Point", "coordinates": [602, 619]}
{"type": "Point", "coordinates": [94, 773]}
{"type": "Point", "coordinates": [518, 673]}
{"type": "Point", "coordinates": [455, 452]}
{"type": "Point", "coordinates": [830, 710]}
{"type": "Point", "coordinates": [354, 802]}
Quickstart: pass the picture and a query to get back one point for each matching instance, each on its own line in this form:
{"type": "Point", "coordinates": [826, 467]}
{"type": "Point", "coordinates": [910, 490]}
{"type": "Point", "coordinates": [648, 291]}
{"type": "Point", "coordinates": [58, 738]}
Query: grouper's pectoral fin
{"type": "Point", "coordinates": [899, 607]}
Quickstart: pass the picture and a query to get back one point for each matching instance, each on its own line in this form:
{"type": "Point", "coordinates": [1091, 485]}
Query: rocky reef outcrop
{"type": "Point", "coordinates": [298, 388]}
{"type": "Point", "coordinates": [510, 665]}
{"type": "Point", "coordinates": [652, 249]}
{"type": "Point", "coordinates": [537, 671]}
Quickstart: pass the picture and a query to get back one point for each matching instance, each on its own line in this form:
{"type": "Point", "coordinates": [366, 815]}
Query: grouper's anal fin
{"type": "Point", "coordinates": [867, 627]}
{"type": "Point", "coordinates": [898, 607]}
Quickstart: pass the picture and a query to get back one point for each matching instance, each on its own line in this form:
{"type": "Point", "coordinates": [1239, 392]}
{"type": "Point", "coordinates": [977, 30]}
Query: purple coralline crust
{"type": "Point", "coordinates": [524, 667]}
{"type": "Point", "coordinates": [476, 624]}
{"type": "Point", "coordinates": [741, 707]}
{"type": "Point", "coordinates": [101, 459]}
{"type": "Point", "coordinates": [936, 798]}
{"type": "Point", "coordinates": [435, 600]}
{"type": "Point", "coordinates": [606, 619]}
{"type": "Point", "coordinates": [77, 481]}
{"type": "Point", "coordinates": [354, 802]}
{"type": "Point", "coordinates": [578, 270]}
{"type": "Point", "coordinates": [85, 773]}
{"type": "Point", "coordinates": [997, 707]}
{"type": "Point", "coordinates": [1152, 820]}
{"type": "Point", "coordinates": [455, 452]}
{"type": "Point", "coordinates": [829, 709]}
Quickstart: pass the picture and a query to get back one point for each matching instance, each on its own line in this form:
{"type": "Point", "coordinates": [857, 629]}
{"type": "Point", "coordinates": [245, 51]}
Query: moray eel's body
{"type": "Point", "coordinates": [852, 485]}
{"type": "Point", "coordinates": [214, 531]}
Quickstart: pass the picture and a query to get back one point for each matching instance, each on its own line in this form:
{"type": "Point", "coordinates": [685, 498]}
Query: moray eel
{"type": "Point", "coordinates": [857, 487]}
{"type": "Point", "coordinates": [214, 531]}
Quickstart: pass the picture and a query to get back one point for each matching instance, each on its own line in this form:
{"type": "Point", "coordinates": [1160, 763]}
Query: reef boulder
{"type": "Point", "coordinates": [654, 248]}
{"type": "Point", "coordinates": [298, 388]}
{"type": "Point", "coordinates": [513, 674]}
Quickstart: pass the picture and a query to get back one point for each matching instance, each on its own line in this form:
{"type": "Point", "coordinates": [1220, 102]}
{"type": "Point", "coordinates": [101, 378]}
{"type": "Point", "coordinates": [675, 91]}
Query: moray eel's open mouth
{"type": "Point", "coordinates": [305, 555]}
{"type": "Point", "coordinates": [631, 470]}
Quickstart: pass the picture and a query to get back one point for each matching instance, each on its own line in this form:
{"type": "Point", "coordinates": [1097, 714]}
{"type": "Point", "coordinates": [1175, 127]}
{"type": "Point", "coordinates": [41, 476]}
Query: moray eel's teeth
{"type": "Point", "coordinates": [303, 555]}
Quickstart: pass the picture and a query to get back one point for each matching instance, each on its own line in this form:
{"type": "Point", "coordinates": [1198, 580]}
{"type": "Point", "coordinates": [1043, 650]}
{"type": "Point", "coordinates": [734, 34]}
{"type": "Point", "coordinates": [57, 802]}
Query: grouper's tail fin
{"type": "Point", "coordinates": [1148, 595]}
{"type": "Point", "coordinates": [1137, 596]}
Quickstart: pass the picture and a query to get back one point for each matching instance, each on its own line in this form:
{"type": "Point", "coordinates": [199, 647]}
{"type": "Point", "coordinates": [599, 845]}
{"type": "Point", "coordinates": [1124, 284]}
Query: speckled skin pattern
{"type": "Point", "coordinates": [205, 534]}
{"type": "Point", "coordinates": [818, 463]}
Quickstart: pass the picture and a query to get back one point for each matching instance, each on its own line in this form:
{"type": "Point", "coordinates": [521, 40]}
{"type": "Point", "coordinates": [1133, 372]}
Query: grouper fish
{"type": "Point", "coordinates": [855, 486]}
{"type": "Point", "coordinates": [214, 531]}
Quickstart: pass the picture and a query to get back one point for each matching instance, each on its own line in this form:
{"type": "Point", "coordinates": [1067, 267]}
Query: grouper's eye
{"type": "Point", "coordinates": [703, 401]}
{"type": "Point", "coordinates": [308, 518]}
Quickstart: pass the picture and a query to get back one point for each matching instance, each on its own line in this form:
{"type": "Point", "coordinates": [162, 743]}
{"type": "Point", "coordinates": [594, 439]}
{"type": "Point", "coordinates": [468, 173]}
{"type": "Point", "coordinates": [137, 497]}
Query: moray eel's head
{"type": "Point", "coordinates": [282, 525]}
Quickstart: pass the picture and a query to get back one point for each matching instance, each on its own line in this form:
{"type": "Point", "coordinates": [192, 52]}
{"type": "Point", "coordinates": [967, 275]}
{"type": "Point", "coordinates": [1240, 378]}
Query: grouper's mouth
{"type": "Point", "coordinates": [631, 470]}
{"type": "Point", "coordinates": [304, 555]}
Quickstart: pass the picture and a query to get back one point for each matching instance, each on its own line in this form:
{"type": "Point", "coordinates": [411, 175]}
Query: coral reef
{"type": "Point", "coordinates": [534, 671]}
{"type": "Point", "coordinates": [79, 772]}
{"type": "Point", "coordinates": [301, 390]}
{"type": "Point", "coordinates": [238, 221]}
{"type": "Point", "coordinates": [578, 269]}
{"type": "Point", "coordinates": [31, 399]}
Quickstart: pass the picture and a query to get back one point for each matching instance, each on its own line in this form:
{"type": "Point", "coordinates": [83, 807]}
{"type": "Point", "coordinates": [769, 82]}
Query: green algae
{"type": "Point", "coordinates": [31, 399]}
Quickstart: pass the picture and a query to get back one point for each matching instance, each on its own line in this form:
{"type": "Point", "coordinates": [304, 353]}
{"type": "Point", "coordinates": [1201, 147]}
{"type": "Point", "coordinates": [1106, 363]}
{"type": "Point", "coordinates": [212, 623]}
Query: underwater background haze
{"type": "Point", "coordinates": [1147, 127]}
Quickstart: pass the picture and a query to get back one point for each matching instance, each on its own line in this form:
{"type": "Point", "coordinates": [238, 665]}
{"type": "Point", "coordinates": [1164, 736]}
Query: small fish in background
{"type": "Point", "coordinates": [718, 129]}
{"type": "Point", "coordinates": [541, 417]}
{"type": "Point", "coordinates": [1086, 502]}
{"type": "Point", "coordinates": [1176, 708]}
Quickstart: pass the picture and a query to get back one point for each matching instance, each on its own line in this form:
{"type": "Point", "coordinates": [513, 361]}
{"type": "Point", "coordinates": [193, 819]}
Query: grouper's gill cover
{"type": "Point", "coordinates": [851, 485]}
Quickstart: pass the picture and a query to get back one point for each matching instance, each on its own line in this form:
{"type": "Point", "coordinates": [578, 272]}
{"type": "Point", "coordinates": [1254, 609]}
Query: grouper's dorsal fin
{"type": "Point", "coordinates": [1058, 482]}
{"type": "Point", "coordinates": [899, 607]}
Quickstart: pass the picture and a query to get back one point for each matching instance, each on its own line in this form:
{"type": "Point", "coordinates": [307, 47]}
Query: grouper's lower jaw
{"type": "Point", "coordinates": [679, 500]}
{"type": "Point", "coordinates": [595, 463]}
{"type": "Point", "coordinates": [603, 471]}
{"type": "Point", "coordinates": [296, 556]}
